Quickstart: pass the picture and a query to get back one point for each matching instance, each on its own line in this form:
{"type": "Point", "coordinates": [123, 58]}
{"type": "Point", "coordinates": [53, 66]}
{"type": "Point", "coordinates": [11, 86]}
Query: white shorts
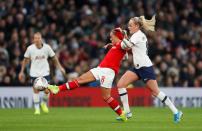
{"type": "Point", "coordinates": [104, 75]}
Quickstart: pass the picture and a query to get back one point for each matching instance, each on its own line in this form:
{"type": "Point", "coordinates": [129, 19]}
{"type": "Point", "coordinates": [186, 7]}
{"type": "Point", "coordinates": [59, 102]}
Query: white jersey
{"type": "Point", "coordinates": [139, 50]}
{"type": "Point", "coordinates": [39, 59]}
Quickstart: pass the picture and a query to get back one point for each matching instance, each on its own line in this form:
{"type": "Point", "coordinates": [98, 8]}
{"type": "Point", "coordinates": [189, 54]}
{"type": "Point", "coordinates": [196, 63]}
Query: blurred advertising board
{"type": "Point", "coordinates": [182, 97]}
{"type": "Point", "coordinates": [91, 97]}
{"type": "Point", "coordinates": [21, 97]}
{"type": "Point", "coordinates": [16, 97]}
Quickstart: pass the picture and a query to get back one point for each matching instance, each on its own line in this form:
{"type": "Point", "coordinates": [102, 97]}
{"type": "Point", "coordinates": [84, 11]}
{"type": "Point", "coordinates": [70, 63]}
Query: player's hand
{"type": "Point", "coordinates": [107, 45]}
{"type": "Point", "coordinates": [21, 76]}
{"type": "Point", "coordinates": [63, 72]}
{"type": "Point", "coordinates": [125, 34]}
{"type": "Point", "coordinates": [125, 56]}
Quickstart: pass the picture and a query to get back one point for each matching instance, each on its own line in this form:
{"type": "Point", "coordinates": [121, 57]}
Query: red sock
{"type": "Point", "coordinates": [114, 105]}
{"type": "Point", "coordinates": [69, 85]}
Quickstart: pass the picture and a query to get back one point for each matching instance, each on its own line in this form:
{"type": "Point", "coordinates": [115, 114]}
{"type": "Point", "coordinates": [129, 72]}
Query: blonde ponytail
{"type": "Point", "coordinates": [148, 25]}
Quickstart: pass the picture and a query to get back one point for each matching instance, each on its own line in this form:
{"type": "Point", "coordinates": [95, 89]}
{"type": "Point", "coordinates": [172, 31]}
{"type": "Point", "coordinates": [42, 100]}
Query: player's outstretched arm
{"type": "Point", "coordinates": [58, 65]}
{"type": "Point", "coordinates": [126, 44]}
{"type": "Point", "coordinates": [24, 63]}
{"type": "Point", "coordinates": [108, 46]}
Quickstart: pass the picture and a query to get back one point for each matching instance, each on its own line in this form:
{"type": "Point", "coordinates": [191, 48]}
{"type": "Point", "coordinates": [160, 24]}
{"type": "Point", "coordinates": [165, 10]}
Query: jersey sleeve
{"type": "Point", "coordinates": [119, 45]}
{"type": "Point", "coordinates": [51, 53]}
{"type": "Point", "coordinates": [134, 39]}
{"type": "Point", "coordinates": [27, 53]}
{"type": "Point", "coordinates": [125, 44]}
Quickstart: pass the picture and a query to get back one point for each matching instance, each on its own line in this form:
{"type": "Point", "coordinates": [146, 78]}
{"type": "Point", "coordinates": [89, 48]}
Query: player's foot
{"type": "Point", "coordinates": [123, 117]}
{"type": "Point", "coordinates": [44, 107]}
{"type": "Point", "coordinates": [178, 116]}
{"type": "Point", "coordinates": [53, 88]}
{"type": "Point", "coordinates": [128, 115]}
{"type": "Point", "coordinates": [37, 112]}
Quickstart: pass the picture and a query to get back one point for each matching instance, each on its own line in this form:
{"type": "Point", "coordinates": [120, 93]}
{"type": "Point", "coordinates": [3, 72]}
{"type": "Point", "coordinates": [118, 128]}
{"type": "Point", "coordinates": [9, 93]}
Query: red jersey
{"type": "Point", "coordinates": [113, 58]}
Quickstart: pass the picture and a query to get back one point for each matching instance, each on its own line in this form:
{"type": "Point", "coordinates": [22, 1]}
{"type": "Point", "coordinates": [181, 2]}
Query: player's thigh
{"type": "Point", "coordinates": [32, 79]}
{"type": "Point", "coordinates": [35, 90]}
{"type": "Point", "coordinates": [86, 78]}
{"type": "Point", "coordinates": [153, 86]}
{"type": "Point", "coordinates": [106, 93]}
{"type": "Point", "coordinates": [106, 77]}
{"type": "Point", "coordinates": [32, 82]}
{"type": "Point", "coordinates": [127, 78]}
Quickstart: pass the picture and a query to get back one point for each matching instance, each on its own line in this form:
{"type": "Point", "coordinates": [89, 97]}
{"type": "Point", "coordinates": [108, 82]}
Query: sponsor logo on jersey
{"type": "Point", "coordinates": [40, 57]}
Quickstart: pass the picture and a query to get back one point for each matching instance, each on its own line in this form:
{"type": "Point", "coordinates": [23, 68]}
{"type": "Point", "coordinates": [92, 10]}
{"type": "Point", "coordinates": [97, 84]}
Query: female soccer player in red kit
{"type": "Point", "coordinates": [105, 73]}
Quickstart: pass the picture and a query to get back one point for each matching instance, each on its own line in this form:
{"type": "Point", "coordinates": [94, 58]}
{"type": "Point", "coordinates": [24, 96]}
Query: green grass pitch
{"type": "Point", "coordinates": [98, 119]}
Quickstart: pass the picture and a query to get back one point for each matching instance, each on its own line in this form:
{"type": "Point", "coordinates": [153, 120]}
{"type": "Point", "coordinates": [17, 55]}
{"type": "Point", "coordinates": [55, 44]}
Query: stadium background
{"type": "Point", "coordinates": [77, 30]}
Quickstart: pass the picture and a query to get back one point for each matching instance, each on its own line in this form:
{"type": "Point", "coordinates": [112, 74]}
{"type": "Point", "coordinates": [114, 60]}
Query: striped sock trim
{"type": "Point", "coordinates": [110, 99]}
{"type": "Point", "coordinates": [67, 85]}
{"type": "Point", "coordinates": [77, 83]}
{"type": "Point", "coordinates": [123, 94]}
{"type": "Point", "coordinates": [115, 109]}
{"type": "Point", "coordinates": [164, 99]}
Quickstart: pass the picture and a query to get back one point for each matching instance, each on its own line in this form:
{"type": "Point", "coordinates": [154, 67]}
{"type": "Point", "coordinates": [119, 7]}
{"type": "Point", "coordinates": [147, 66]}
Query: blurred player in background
{"type": "Point", "coordinates": [105, 73]}
{"type": "Point", "coordinates": [38, 54]}
{"type": "Point", "coordinates": [143, 67]}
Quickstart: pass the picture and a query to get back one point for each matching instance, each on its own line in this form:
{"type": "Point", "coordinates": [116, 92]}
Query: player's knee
{"type": "Point", "coordinates": [106, 96]}
{"type": "Point", "coordinates": [155, 93]}
{"type": "Point", "coordinates": [80, 80]}
{"type": "Point", "coordinates": [121, 84]}
{"type": "Point", "coordinates": [35, 91]}
{"type": "Point", "coordinates": [46, 91]}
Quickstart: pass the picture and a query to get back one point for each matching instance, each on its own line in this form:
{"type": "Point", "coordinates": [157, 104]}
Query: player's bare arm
{"type": "Point", "coordinates": [24, 63]}
{"type": "Point", "coordinates": [58, 65]}
{"type": "Point", "coordinates": [108, 46]}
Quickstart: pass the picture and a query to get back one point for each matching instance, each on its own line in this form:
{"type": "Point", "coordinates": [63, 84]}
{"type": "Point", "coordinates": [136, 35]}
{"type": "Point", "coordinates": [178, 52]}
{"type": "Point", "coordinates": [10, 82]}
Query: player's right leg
{"type": "Point", "coordinates": [44, 102]}
{"type": "Point", "coordinates": [36, 98]}
{"type": "Point", "coordinates": [125, 80]}
{"type": "Point", "coordinates": [83, 79]}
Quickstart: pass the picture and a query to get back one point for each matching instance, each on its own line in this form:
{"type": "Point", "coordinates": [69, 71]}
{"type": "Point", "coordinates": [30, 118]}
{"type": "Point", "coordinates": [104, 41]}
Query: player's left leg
{"type": "Point", "coordinates": [106, 94]}
{"type": "Point", "coordinates": [153, 86]}
{"type": "Point", "coordinates": [127, 78]}
{"type": "Point", "coordinates": [44, 102]}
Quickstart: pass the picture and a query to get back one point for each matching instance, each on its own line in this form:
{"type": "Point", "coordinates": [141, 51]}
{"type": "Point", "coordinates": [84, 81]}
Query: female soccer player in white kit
{"type": "Point", "coordinates": [143, 67]}
{"type": "Point", "coordinates": [38, 53]}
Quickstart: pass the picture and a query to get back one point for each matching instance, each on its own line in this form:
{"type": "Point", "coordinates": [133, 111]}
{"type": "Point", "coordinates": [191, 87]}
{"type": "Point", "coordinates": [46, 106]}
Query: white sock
{"type": "Point", "coordinates": [36, 100]}
{"type": "Point", "coordinates": [167, 101]}
{"type": "Point", "coordinates": [124, 99]}
{"type": "Point", "coordinates": [45, 98]}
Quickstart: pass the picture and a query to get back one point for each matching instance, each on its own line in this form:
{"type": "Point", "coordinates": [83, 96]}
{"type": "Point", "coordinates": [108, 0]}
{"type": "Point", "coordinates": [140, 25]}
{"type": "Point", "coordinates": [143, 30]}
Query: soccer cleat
{"type": "Point", "coordinates": [178, 116]}
{"type": "Point", "coordinates": [123, 117]}
{"type": "Point", "coordinates": [37, 112]}
{"type": "Point", "coordinates": [44, 107]}
{"type": "Point", "coordinates": [53, 88]}
{"type": "Point", "coordinates": [128, 115]}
